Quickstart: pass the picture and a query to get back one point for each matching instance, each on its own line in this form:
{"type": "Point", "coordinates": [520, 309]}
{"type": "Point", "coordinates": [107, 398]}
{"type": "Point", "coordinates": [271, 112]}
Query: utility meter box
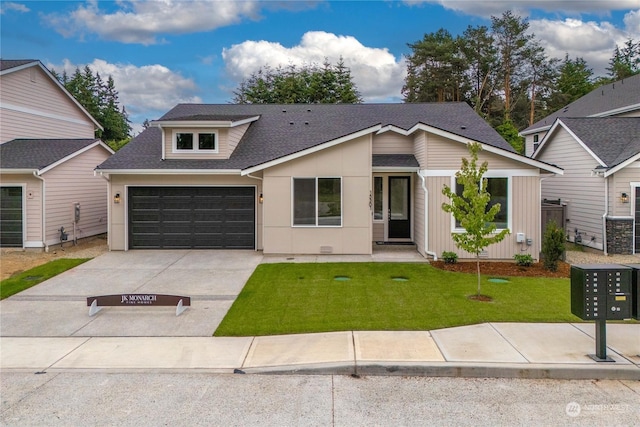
{"type": "Point", "coordinates": [601, 291]}
{"type": "Point", "coordinates": [635, 290]}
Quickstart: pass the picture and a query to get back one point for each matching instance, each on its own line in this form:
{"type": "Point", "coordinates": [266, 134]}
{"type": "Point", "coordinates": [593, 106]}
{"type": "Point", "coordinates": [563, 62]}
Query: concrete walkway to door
{"type": "Point", "coordinates": [57, 308]}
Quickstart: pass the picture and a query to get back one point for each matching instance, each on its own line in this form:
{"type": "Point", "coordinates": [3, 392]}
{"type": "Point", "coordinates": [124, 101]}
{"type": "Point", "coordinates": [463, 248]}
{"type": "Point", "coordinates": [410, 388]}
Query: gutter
{"type": "Point", "coordinates": [44, 212]}
{"type": "Point", "coordinates": [426, 216]}
{"type": "Point", "coordinates": [109, 214]}
{"type": "Point", "coordinates": [604, 215]}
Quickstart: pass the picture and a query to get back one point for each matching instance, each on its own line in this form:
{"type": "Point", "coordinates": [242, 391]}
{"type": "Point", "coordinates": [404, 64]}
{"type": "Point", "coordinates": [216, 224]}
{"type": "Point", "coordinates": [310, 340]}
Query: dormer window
{"type": "Point", "coordinates": [194, 142]}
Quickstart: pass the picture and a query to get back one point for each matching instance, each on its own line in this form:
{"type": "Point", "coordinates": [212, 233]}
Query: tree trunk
{"type": "Point", "coordinates": [478, 265]}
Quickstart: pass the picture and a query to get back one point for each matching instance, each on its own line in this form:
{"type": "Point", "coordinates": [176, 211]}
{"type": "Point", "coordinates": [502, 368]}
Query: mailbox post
{"type": "Point", "coordinates": [601, 292]}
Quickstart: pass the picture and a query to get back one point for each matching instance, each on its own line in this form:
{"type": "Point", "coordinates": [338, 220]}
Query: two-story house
{"type": "Point", "coordinates": [48, 153]}
{"type": "Point", "coordinates": [313, 179]}
{"type": "Point", "coordinates": [596, 140]}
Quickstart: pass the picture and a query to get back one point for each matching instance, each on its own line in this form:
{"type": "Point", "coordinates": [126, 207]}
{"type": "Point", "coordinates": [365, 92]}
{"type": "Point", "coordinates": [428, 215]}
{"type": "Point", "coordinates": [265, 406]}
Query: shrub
{"type": "Point", "coordinates": [449, 257]}
{"type": "Point", "coordinates": [523, 260]}
{"type": "Point", "coordinates": [552, 246]}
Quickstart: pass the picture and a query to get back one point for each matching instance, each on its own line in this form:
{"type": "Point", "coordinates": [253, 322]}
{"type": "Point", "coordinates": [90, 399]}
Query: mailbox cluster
{"type": "Point", "coordinates": [605, 291]}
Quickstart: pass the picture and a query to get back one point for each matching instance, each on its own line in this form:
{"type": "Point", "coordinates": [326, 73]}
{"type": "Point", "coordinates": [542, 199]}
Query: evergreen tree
{"type": "Point", "coordinates": [309, 84]}
{"type": "Point", "coordinates": [625, 61]}
{"type": "Point", "coordinates": [100, 99]}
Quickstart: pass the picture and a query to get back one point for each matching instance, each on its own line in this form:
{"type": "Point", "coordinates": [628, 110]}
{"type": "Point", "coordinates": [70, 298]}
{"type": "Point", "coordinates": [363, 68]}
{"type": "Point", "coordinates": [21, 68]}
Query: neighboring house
{"type": "Point", "coordinates": [312, 179]}
{"type": "Point", "coordinates": [48, 153]}
{"type": "Point", "coordinates": [619, 99]}
{"type": "Point", "coordinates": [601, 182]}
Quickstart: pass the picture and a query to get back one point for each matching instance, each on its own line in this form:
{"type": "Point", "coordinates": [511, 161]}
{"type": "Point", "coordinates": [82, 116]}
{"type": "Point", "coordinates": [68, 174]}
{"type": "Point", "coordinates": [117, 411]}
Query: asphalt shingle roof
{"type": "Point", "coordinates": [6, 64]}
{"type": "Point", "coordinates": [38, 153]}
{"type": "Point", "coordinates": [395, 160]}
{"type": "Point", "coordinates": [282, 130]}
{"type": "Point", "coordinates": [620, 94]}
{"type": "Point", "coordinates": [612, 139]}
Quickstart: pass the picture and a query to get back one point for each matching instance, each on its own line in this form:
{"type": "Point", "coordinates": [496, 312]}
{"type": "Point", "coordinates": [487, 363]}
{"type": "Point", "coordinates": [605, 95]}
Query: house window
{"type": "Point", "coordinates": [317, 202]}
{"type": "Point", "coordinates": [195, 142]}
{"type": "Point", "coordinates": [498, 188]}
{"type": "Point", "coordinates": [535, 138]}
{"type": "Point", "coordinates": [377, 198]}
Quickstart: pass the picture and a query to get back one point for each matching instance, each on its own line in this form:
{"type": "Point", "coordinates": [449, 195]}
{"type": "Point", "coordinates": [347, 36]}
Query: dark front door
{"type": "Point", "coordinates": [191, 218]}
{"type": "Point", "coordinates": [11, 217]}
{"type": "Point", "coordinates": [637, 220]}
{"type": "Point", "coordinates": [399, 207]}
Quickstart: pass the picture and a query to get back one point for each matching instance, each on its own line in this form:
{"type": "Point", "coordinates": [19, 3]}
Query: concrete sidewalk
{"type": "Point", "coordinates": [509, 350]}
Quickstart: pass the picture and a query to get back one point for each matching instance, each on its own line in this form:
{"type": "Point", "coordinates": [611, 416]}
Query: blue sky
{"type": "Point", "coordinates": [161, 53]}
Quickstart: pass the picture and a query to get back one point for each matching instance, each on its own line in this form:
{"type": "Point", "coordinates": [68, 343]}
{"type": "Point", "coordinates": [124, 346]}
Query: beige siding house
{"type": "Point", "coordinates": [618, 99]}
{"type": "Point", "coordinates": [48, 154]}
{"type": "Point", "coordinates": [312, 179]}
{"type": "Point", "coordinates": [601, 183]}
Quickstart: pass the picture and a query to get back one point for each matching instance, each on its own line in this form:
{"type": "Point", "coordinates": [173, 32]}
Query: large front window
{"type": "Point", "coordinates": [498, 188]}
{"type": "Point", "coordinates": [317, 202]}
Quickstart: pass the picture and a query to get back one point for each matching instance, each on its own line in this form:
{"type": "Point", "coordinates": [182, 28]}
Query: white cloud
{"type": "Point", "coordinates": [13, 7]}
{"type": "Point", "coordinates": [376, 72]}
{"type": "Point", "coordinates": [496, 7]}
{"type": "Point", "coordinates": [147, 91]}
{"type": "Point", "coordinates": [142, 21]}
{"type": "Point", "coordinates": [593, 41]}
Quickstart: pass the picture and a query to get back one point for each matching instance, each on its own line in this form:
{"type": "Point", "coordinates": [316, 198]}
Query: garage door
{"type": "Point", "coordinates": [191, 217]}
{"type": "Point", "coordinates": [638, 220]}
{"type": "Point", "coordinates": [11, 217]}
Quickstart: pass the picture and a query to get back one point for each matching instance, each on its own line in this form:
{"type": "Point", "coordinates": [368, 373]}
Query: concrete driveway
{"type": "Point", "coordinates": [57, 307]}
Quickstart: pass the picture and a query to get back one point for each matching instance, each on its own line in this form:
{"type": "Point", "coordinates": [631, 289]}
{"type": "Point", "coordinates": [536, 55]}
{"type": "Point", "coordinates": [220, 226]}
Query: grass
{"type": "Point", "coordinates": [300, 298]}
{"type": "Point", "coordinates": [32, 277]}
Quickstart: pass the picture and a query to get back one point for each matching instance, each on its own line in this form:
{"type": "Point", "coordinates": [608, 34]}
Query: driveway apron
{"type": "Point", "coordinates": [57, 307]}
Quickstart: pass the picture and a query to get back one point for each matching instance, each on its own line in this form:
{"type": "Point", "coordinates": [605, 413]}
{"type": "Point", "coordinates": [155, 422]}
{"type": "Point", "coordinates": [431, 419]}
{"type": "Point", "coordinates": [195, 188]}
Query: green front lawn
{"type": "Point", "coordinates": [32, 277]}
{"type": "Point", "coordinates": [299, 298]}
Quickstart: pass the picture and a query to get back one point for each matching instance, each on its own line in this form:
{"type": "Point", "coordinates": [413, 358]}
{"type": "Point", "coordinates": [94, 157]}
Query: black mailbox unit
{"type": "Point", "coordinates": [601, 291]}
{"type": "Point", "coordinates": [635, 291]}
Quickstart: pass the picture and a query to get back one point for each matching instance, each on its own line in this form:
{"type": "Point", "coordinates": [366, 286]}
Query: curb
{"type": "Point", "coordinates": [458, 370]}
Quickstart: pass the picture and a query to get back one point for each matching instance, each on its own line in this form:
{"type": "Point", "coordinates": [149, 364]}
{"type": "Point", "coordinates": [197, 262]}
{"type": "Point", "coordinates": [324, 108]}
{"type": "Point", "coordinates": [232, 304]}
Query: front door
{"type": "Point", "coordinates": [399, 208]}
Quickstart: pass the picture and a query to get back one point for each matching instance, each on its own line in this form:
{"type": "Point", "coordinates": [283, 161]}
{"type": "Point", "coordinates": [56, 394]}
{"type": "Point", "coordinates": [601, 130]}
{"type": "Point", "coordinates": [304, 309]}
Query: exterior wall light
{"type": "Point", "coordinates": [116, 198]}
{"type": "Point", "coordinates": [624, 198]}
{"type": "Point", "coordinates": [260, 198]}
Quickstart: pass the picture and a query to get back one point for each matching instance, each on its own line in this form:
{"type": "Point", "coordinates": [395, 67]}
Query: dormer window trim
{"type": "Point", "coordinates": [198, 139]}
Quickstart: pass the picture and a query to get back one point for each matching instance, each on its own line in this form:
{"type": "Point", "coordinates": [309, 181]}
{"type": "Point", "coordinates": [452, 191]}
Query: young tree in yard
{"type": "Point", "coordinates": [471, 208]}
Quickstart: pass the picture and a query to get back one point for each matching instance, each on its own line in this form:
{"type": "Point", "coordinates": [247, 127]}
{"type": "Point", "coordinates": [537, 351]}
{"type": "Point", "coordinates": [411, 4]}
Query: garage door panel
{"type": "Point", "coordinates": [192, 217]}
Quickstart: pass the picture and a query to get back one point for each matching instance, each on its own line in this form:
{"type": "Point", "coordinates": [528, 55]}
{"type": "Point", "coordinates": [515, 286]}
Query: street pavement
{"type": "Point", "coordinates": [47, 328]}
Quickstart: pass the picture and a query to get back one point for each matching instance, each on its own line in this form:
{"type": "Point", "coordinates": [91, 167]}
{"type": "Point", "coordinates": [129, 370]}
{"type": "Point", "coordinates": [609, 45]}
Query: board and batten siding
{"type": "Point", "coordinates": [525, 218]}
{"type": "Point", "coordinates": [621, 183]}
{"type": "Point", "coordinates": [442, 153]}
{"type": "Point", "coordinates": [583, 192]}
{"type": "Point", "coordinates": [74, 182]}
{"type": "Point", "coordinates": [119, 183]}
{"type": "Point", "coordinates": [392, 143]}
{"type": "Point", "coordinates": [32, 193]}
{"type": "Point", "coordinates": [33, 106]}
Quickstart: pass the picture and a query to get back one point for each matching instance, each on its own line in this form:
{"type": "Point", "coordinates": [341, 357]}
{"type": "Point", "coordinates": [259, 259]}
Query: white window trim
{"type": "Point", "coordinates": [195, 149]}
{"type": "Point", "coordinates": [490, 174]}
{"type": "Point", "coordinates": [373, 199]}
{"type": "Point", "coordinates": [316, 225]}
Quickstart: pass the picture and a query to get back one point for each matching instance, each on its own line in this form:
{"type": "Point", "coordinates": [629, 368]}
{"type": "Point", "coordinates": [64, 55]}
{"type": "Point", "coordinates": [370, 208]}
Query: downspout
{"type": "Point", "coordinates": [261, 209]}
{"type": "Point", "coordinates": [109, 214]}
{"type": "Point", "coordinates": [44, 222]}
{"type": "Point", "coordinates": [604, 215]}
{"type": "Point", "coordinates": [426, 217]}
